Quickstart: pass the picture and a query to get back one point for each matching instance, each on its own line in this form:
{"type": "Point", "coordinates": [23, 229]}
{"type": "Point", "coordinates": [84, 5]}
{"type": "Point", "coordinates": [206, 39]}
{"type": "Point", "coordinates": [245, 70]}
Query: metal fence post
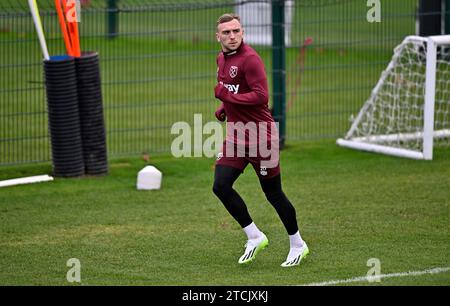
{"type": "Point", "coordinates": [430, 17]}
{"type": "Point", "coordinates": [447, 17]}
{"type": "Point", "coordinates": [112, 16]}
{"type": "Point", "coordinates": [279, 68]}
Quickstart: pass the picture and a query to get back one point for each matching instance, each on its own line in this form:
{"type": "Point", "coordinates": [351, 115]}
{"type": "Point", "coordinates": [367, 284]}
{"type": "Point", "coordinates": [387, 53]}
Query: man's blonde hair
{"type": "Point", "coordinates": [227, 18]}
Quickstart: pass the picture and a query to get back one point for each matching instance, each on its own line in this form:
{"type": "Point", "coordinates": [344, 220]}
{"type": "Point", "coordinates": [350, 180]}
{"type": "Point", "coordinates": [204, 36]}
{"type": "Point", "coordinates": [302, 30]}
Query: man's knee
{"type": "Point", "coordinates": [279, 200]}
{"type": "Point", "coordinates": [274, 196]}
{"type": "Point", "coordinates": [221, 187]}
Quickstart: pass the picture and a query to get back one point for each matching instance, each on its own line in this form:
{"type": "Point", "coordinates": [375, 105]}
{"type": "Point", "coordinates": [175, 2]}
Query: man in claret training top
{"type": "Point", "coordinates": [252, 137]}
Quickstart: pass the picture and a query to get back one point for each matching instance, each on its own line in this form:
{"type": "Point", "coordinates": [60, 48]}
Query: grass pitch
{"type": "Point", "coordinates": [351, 206]}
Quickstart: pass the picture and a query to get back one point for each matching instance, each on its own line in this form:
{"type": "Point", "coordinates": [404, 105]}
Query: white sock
{"type": "Point", "coordinates": [296, 240]}
{"type": "Point", "coordinates": [252, 231]}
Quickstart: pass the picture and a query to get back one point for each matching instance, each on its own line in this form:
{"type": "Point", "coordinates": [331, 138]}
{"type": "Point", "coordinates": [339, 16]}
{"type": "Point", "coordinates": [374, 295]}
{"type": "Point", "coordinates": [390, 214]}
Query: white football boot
{"type": "Point", "coordinates": [295, 256]}
{"type": "Point", "coordinates": [252, 248]}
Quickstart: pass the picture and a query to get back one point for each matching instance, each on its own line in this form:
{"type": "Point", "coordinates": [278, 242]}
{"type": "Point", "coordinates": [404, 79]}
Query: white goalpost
{"type": "Point", "coordinates": [408, 111]}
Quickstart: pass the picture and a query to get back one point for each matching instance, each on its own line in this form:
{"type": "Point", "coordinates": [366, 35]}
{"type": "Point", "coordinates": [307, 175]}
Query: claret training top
{"type": "Point", "coordinates": [244, 92]}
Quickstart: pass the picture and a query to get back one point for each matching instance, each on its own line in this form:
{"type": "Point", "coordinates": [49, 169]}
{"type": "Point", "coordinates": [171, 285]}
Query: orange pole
{"type": "Point", "coordinates": [77, 40]}
{"type": "Point", "coordinates": [62, 24]}
{"type": "Point", "coordinates": [73, 31]}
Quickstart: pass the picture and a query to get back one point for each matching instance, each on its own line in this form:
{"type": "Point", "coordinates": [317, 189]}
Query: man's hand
{"type": "Point", "coordinates": [220, 113]}
{"type": "Point", "coordinates": [218, 90]}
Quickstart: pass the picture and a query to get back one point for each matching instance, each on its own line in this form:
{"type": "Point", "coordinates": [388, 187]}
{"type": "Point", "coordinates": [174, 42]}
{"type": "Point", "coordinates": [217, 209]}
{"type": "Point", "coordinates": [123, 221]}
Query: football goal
{"type": "Point", "coordinates": [408, 111]}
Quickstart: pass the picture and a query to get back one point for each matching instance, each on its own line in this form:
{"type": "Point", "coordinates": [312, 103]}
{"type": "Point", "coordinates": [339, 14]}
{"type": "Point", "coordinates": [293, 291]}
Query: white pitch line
{"type": "Point", "coordinates": [374, 278]}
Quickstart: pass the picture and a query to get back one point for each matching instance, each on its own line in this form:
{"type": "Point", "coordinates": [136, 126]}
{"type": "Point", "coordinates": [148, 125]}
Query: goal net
{"type": "Point", "coordinates": [408, 111]}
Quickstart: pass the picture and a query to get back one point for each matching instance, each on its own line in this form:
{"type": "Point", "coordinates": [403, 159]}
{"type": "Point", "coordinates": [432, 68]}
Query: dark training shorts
{"type": "Point", "coordinates": [259, 163]}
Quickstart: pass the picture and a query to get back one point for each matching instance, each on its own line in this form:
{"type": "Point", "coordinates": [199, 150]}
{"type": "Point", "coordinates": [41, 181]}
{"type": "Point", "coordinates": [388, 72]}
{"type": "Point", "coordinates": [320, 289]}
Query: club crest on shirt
{"type": "Point", "coordinates": [233, 71]}
{"type": "Point", "coordinates": [263, 171]}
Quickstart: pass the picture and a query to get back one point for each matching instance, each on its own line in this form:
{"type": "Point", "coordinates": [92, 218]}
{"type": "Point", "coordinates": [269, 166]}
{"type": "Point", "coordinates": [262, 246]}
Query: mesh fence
{"type": "Point", "coordinates": [158, 66]}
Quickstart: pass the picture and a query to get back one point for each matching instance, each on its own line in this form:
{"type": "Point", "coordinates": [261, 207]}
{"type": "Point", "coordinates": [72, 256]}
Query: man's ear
{"type": "Point", "coordinates": [217, 37]}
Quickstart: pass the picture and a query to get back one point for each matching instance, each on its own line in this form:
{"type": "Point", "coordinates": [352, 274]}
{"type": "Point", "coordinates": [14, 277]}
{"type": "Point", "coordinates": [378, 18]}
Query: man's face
{"type": "Point", "coordinates": [230, 35]}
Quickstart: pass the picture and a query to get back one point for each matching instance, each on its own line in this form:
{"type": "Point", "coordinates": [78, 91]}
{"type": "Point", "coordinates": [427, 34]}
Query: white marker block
{"type": "Point", "coordinates": [149, 178]}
